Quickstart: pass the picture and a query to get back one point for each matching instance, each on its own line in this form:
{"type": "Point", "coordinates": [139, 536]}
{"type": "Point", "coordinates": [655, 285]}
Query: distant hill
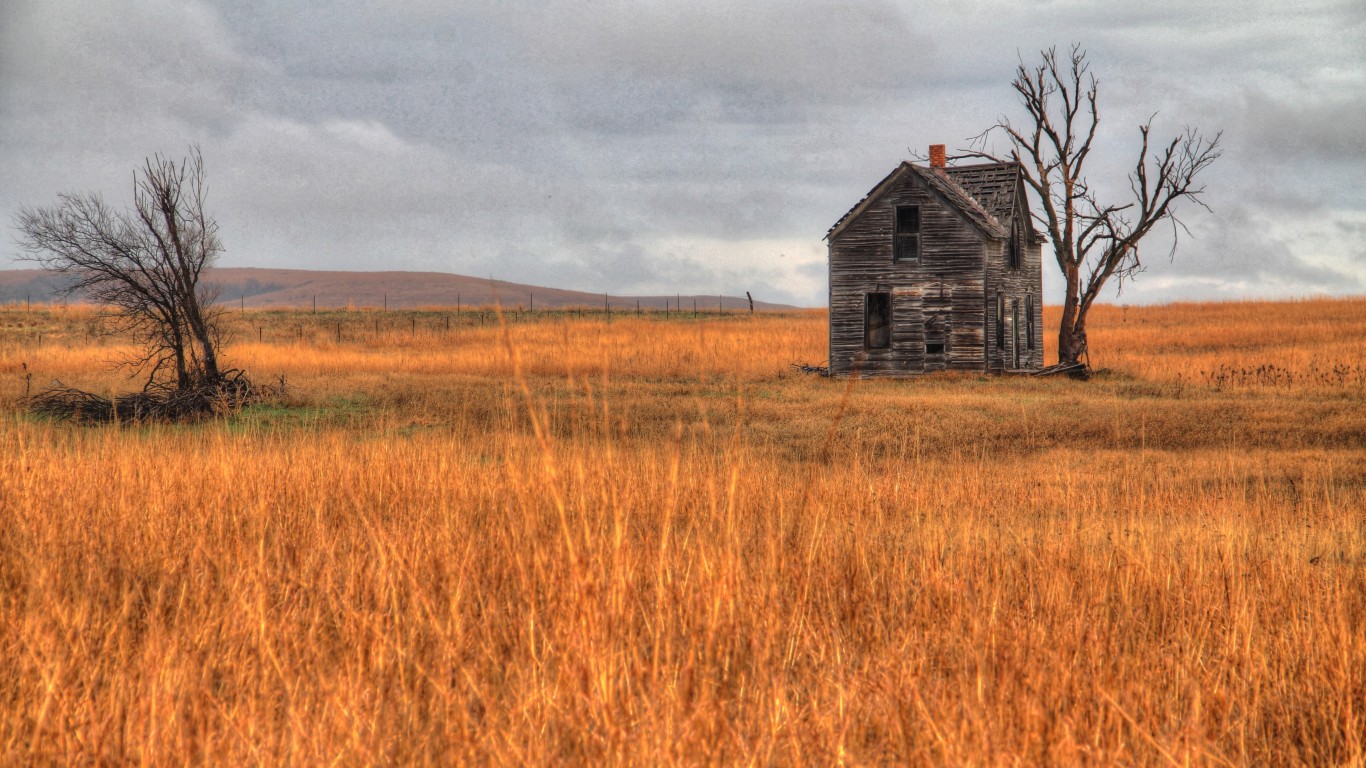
{"type": "Point", "coordinates": [299, 288]}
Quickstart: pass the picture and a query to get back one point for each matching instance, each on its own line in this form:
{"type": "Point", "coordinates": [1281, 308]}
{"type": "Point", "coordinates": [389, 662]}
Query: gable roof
{"type": "Point", "coordinates": [984, 194]}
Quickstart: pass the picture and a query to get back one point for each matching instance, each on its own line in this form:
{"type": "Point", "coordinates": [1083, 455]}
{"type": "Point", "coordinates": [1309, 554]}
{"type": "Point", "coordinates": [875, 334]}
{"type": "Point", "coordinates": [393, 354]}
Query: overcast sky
{"type": "Point", "coordinates": [662, 147]}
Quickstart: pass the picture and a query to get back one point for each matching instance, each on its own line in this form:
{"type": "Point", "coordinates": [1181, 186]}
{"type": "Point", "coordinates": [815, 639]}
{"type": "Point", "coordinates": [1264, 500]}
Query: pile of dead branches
{"type": "Point", "coordinates": [817, 369]}
{"type": "Point", "coordinates": [1078, 371]}
{"type": "Point", "coordinates": [156, 402]}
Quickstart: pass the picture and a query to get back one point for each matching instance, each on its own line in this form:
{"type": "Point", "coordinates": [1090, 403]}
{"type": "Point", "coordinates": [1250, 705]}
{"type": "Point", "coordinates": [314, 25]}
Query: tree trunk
{"type": "Point", "coordinates": [1071, 330]}
{"type": "Point", "coordinates": [182, 370]}
{"type": "Point", "coordinates": [208, 357]}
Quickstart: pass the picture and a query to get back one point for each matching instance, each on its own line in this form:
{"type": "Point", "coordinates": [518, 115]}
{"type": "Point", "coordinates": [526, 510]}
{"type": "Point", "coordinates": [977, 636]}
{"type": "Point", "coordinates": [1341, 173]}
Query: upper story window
{"type": "Point", "coordinates": [906, 240]}
{"type": "Point", "coordinates": [1016, 238]}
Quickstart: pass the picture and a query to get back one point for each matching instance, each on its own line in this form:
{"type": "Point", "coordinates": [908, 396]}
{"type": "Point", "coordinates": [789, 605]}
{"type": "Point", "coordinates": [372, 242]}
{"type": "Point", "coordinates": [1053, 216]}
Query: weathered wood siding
{"type": "Point", "coordinates": [951, 257]}
{"type": "Point", "coordinates": [1014, 285]}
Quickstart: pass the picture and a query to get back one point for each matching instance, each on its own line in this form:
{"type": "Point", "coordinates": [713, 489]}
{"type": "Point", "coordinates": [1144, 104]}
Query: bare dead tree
{"type": "Point", "coordinates": [143, 266]}
{"type": "Point", "coordinates": [1092, 241]}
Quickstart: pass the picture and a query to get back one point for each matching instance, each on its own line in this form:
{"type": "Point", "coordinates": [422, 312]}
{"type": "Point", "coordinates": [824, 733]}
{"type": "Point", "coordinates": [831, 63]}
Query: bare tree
{"type": "Point", "coordinates": [143, 266]}
{"type": "Point", "coordinates": [1092, 241]}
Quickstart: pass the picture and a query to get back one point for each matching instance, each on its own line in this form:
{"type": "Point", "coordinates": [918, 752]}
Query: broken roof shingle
{"type": "Point", "coordinates": [992, 185]}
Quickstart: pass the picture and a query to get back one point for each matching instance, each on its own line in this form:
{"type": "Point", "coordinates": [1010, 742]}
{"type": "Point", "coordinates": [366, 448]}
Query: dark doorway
{"type": "Point", "coordinates": [877, 321]}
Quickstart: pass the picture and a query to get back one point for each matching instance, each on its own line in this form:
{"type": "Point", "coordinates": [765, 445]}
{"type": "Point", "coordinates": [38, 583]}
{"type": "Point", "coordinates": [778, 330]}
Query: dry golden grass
{"type": "Point", "coordinates": [650, 542]}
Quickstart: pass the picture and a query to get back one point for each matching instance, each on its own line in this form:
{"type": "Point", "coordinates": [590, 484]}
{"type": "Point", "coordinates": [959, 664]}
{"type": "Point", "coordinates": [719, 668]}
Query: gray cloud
{"type": "Point", "coordinates": [632, 147]}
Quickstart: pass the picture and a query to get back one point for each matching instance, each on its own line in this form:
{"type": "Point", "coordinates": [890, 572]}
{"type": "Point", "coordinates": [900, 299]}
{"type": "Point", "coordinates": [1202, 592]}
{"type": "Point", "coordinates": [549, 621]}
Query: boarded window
{"type": "Point", "coordinates": [1029, 320]}
{"type": "Point", "coordinates": [1000, 321]}
{"type": "Point", "coordinates": [906, 242]}
{"type": "Point", "coordinates": [934, 347]}
{"type": "Point", "coordinates": [877, 321]}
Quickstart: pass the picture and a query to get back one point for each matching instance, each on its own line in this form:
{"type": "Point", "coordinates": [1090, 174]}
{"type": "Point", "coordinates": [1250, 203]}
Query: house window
{"type": "Point", "coordinates": [1000, 321]}
{"type": "Point", "coordinates": [906, 241]}
{"type": "Point", "coordinates": [877, 321]}
{"type": "Point", "coordinates": [1015, 331]}
{"type": "Point", "coordinates": [936, 334]}
{"type": "Point", "coordinates": [1029, 321]}
{"type": "Point", "coordinates": [1018, 231]}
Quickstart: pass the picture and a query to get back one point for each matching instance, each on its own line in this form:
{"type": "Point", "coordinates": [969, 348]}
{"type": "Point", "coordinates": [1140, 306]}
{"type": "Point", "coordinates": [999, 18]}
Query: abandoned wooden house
{"type": "Point", "coordinates": [937, 268]}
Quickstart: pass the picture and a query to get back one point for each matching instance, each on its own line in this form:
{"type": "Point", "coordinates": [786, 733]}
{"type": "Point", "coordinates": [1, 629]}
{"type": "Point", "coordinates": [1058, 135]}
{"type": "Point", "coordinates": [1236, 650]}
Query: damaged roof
{"type": "Point", "coordinates": [984, 194]}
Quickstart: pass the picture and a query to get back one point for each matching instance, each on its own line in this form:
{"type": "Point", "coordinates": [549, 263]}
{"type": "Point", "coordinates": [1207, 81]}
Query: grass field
{"type": "Point", "coordinates": [563, 540]}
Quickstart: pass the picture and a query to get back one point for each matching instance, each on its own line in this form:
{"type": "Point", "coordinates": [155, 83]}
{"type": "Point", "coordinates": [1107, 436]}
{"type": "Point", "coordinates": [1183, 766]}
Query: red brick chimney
{"type": "Point", "coordinates": [936, 155]}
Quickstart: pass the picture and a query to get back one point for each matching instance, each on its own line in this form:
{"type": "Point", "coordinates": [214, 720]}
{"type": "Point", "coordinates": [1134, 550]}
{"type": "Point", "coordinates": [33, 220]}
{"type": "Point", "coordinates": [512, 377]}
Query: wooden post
{"type": "Point", "coordinates": [386, 302]}
{"type": "Point", "coordinates": [751, 302]}
{"type": "Point", "coordinates": [637, 307]}
{"type": "Point", "coordinates": [694, 306]}
{"type": "Point", "coordinates": [457, 303]}
{"type": "Point", "coordinates": [260, 333]}
{"type": "Point", "coordinates": [533, 302]}
{"type": "Point", "coordinates": [338, 331]}
{"type": "Point", "coordinates": [414, 325]}
{"type": "Point", "coordinates": [718, 304]}
{"type": "Point", "coordinates": [315, 303]}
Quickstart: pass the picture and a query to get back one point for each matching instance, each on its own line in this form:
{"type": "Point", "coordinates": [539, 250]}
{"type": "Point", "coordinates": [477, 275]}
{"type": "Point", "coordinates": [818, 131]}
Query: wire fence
{"type": "Point", "coordinates": [36, 325]}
